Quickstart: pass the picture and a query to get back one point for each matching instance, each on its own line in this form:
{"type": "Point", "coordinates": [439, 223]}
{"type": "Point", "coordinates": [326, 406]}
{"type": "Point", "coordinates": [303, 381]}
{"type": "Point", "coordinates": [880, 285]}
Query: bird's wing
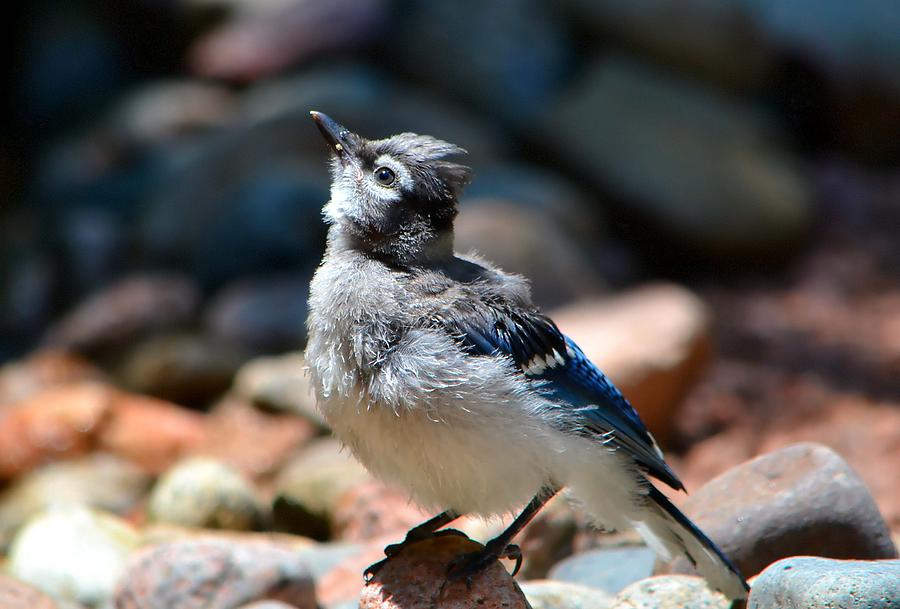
{"type": "Point", "coordinates": [543, 353]}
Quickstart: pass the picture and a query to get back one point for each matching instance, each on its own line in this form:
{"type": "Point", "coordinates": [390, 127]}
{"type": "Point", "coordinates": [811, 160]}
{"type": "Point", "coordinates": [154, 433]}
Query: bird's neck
{"type": "Point", "coordinates": [412, 247]}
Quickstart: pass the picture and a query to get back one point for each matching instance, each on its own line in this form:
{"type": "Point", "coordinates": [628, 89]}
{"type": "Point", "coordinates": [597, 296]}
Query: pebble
{"type": "Point", "coordinates": [669, 592]}
{"type": "Point", "coordinates": [416, 579]}
{"type": "Point", "coordinates": [97, 480]}
{"type": "Point", "coordinates": [607, 569]}
{"type": "Point", "coordinates": [262, 314]}
{"type": "Point", "coordinates": [280, 383]}
{"type": "Point", "coordinates": [652, 341]}
{"type": "Point", "coordinates": [16, 594]}
{"type": "Point", "coordinates": [124, 311]}
{"type": "Point", "coordinates": [214, 574]}
{"type": "Point", "coordinates": [89, 550]}
{"type": "Point", "coordinates": [205, 493]}
{"type": "Point", "coordinates": [308, 488]}
{"type": "Point", "coordinates": [55, 423]}
{"type": "Point", "coordinates": [801, 500]}
{"type": "Point", "coordinates": [190, 369]}
{"type": "Point", "coordinates": [528, 241]}
{"type": "Point", "coordinates": [153, 433]}
{"type": "Point", "coordinates": [806, 582]}
{"type": "Point", "coordinates": [372, 510]}
{"type": "Point", "coordinates": [255, 442]}
{"type": "Point", "coordinates": [709, 173]}
{"type": "Point", "coordinates": [547, 594]}
{"type": "Point", "coordinates": [41, 370]}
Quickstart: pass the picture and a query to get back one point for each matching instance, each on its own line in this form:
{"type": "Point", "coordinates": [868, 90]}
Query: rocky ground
{"type": "Point", "coordinates": [707, 199]}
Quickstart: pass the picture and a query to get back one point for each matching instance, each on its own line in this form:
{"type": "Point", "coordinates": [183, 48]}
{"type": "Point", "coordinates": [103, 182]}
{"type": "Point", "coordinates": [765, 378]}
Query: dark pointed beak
{"type": "Point", "coordinates": [339, 138]}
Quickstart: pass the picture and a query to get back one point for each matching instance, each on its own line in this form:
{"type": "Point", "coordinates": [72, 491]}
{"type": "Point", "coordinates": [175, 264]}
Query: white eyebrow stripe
{"type": "Point", "coordinates": [404, 178]}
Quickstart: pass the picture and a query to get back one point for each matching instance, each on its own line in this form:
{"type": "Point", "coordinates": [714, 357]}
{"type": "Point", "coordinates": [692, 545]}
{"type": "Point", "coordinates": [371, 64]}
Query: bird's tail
{"type": "Point", "coordinates": [670, 533]}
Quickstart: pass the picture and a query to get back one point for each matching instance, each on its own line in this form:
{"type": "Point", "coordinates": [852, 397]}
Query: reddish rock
{"type": "Point", "coordinates": [151, 432]}
{"type": "Point", "coordinates": [372, 510]}
{"type": "Point", "coordinates": [125, 311]}
{"type": "Point", "coordinates": [54, 423]}
{"type": "Point", "coordinates": [653, 342]}
{"type": "Point", "coordinates": [213, 574]}
{"type": "Point", "coordinates": [267, 605]}
{"type": "Point", "coordinates": [344, 582]}
{"type": "Point", "coordinates": [253, 441]}
{"type": "Point", "coordinates": [800, 500]}
{"type": "Point", "coordinates": [416, 578]}
{"type": "Point", "coordinates": [41, 370]}
{"type": "Point", "coordinates": [15, 594]}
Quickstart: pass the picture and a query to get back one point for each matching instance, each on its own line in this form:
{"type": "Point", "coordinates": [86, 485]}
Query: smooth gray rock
{"type": "Point", "coordinates": [803, 499]}
{"type": "Point", "coordinates": [607, 569]}
{"type": "Point", "coordinates": [806, 582]}
{"type": "Point", "coordinates": [205, 493]}
{"type": "Point", "coordinates": [546, 594]}
{"type": "Point", "coordinates": [712, 174]}
{"type": "Point", "coordinates": [279, 383]}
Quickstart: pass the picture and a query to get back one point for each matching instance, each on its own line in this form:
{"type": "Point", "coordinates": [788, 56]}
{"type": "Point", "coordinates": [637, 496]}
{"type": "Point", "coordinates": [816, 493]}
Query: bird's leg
{"type": "Point", "coordinates": [469, 565]}
{"type": "Point", "coordinates": [421, 532]}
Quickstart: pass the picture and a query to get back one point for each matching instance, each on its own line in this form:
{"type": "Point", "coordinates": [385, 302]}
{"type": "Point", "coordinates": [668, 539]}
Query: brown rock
{"type": "Point", "coordinates": [373, 510]}
{"type": "Point", "coordinates": [800, 500]}
{"type": "Point", "coordinates": [213, 574]}
{"type": "Point", "coordinates": [416, 578]}
{"type": "Point", "coordinates": [253, 441]}
{"type": "Point", "coordinates": [52, 424]}
{"type": "Point", "coordinates": [41, 370]}
{"type": "Point", "coordinates": [124, 311]}
{"type": "Point", "coordinates": [652, 342]}
{"type": "Point", "coordinates": [344, 582]}
{"type": "Point", "coordinates": [15, 594]}
{"type": "Point", "coordinates": [151, 432]}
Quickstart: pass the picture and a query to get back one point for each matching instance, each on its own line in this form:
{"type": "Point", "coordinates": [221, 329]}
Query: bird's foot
{"type": "Point", "coordinates": [414, 536]}
{"type": "Point", "coordinates": [467, 566]}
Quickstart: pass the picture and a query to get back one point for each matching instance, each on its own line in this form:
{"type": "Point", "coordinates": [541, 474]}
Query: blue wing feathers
{"type": "Point", "coordinates": [577, 385]}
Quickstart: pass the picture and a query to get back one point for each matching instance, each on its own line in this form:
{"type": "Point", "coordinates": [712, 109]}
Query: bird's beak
{"type": "Point", "coordinates": [338, 137]}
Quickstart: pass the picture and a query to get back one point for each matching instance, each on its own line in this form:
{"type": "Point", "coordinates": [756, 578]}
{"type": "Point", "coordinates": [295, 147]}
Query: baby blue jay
{"type": "Point", "coordinates": [440, 375]}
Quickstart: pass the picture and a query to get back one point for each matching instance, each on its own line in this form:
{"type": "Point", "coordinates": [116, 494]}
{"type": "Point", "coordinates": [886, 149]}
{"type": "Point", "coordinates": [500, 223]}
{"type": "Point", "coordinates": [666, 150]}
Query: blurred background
{"type": "Point", "coordinates": [705, 193]}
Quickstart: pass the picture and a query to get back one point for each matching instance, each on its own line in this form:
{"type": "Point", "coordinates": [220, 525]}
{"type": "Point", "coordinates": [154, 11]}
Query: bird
{"type": "Point", "coordinates": [440, 375]}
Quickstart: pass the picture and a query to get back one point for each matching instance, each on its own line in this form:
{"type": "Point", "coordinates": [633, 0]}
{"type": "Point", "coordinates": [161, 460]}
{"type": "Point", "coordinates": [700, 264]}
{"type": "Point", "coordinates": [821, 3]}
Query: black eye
{"type": "Point", "coordinates": [385, 176]}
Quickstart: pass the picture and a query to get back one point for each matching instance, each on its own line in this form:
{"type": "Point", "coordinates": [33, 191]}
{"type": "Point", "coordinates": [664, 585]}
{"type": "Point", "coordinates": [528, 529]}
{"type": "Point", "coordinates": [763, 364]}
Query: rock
{"type": "Point", "coordinates": [159, 533]}
{"type": "Point", "coordinates": [261, 314]}
{"type": "Point", "coordinates": [343, 581]}
{"type": "Point", "coordinates": [255, 442]}
{"type": "Point", "coordinates": [183, 368]}
{"type": "Point", "coordinates": [279, 383]}
{"type": "Point", "coordinates": [509, 61]}
{"type": "Point", "coordinates": [213, 574]}
{"type": "Point", "coordinates": [15, 594]}
{"type": "Point", "coordinates": [97, 481]}
{"type": "Point", "coordinates": [416, 578]}
{"type": "Point", "coordinates": [805, 582]}
{"type": "Point", "coordinates": [267, 605]}
{"type": "Point", "coordinates": [55, 423]}
{"type": "Point", "coordinates": [308, 488]}
{"type": "Point", "coordinates": [803, 499]}
{"type": "Point", "coordinates": [711, 174]}
{"type": "Point", "coordinates": [718, 41]}
{"type": "Point", "coordinates": [524, 240]}
{"type": "Point", "coordinates": [88, 553]}
{"type": "Point", "coordinates": [546, 594]}
{"type": "Point", "coordinates": [653, 343]}
{"type": "Point", "coordinates": [264, 39]}
{"type": "Point", "coordinates": [669, 592]}
{"type": "Point", "coordinates": [607, 569]}
{"type": "Point", "coordinates": [41, 370]}
{"type": "Point", "coordinates": [153, 433]}
{"type": "Point", "coordinates": [124, 311]}
{"type": "Point", "coordinates": [205, 493]}
{"type": "Point", "coordinates": [321, 558]}
{"type": "Point", "coordinates": [372, 510]}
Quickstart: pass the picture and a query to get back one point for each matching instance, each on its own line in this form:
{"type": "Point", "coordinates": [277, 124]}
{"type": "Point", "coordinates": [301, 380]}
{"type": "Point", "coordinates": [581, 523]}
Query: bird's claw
{"type": "Point", "coordinates": [467, 566]}
{"type": "Point", "coordinates": [395, 548]}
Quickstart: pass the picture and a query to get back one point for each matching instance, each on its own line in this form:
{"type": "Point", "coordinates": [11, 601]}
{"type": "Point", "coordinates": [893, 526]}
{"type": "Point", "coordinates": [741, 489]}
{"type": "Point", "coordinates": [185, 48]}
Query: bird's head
{"type": "Point", "coordinates": [395, 197]}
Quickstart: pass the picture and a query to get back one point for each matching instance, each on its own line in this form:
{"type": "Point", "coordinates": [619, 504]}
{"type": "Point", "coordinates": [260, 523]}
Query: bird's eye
{"type": "Point", "coordinates": [385, 176]}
